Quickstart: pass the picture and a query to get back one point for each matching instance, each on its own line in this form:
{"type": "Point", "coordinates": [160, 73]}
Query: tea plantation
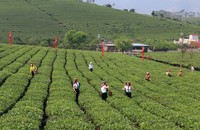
{"type": "Point", "coordinates": [188, 58]}
{"type": "Point", "coordinates": [46, 100]}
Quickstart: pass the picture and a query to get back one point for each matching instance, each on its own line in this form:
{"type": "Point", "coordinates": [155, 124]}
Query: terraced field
{"type": "Point", "coordinates": [46, 101]}
{"type": "Point", "coordinates": [174, 58]}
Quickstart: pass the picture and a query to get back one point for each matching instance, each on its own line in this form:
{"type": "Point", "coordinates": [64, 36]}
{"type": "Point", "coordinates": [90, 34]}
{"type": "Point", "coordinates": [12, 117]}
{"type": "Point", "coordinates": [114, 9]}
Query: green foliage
{"type": "Point", "coordinates": [18, 40]}
{"type": "Point", "coordinates": [193, 20]}
{"type": "Point", "coordinates": [44, 43]}
{"type": "Point", "coordinates": [51, 17]}
{"type": "Point", "coordinates": [176, 15]}
{"type": "Point", "coordinates": [187, 58]}
{"type": "Point", "coordinates": [160, 44]}
{"type": "Point", "coordinates": [153, 13]}
{"type": "Point", "coordinates": [108, 5]}
{"type": "Point", "coordinates": [132, 10]}
{"type": "Point", "coordinates": [123, 43]}
{"type": "Point", "coordinates": [47, 99]}
{"type": "Point", "coordinates": [32, 41]}
{"type": "Point", "coordinates": [94, 43]}
{"type": "Point", "coordinates": [74, 39]}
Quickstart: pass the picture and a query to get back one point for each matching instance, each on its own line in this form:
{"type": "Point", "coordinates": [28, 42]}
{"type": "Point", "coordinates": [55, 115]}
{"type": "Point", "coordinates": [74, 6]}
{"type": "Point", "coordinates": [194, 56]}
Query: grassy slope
{"type": "Point", "coordinates": [25, 20]}
{"type": "Point", "coordinates": [189, 58]}
{"type": "Point", "coordinates": [46, 18]}
{"type": "Point", "coordinates": [193, 20]}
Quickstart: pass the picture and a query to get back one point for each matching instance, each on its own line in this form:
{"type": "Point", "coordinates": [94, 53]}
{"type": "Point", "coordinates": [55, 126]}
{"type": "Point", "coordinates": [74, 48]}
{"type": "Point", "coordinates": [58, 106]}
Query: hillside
{"type": "Point", "coordinates": [42, 19]}
{"type": "Point", "coordinates": [193, 20]}
{"type": "Point", "coordinates": [45, 101]}
{"type": "Point", "coordinates": [175, 58]}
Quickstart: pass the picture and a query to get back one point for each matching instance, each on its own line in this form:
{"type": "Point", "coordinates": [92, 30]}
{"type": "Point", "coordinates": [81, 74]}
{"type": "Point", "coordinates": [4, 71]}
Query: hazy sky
{"type": "Point", "coordinates": [147, 6]}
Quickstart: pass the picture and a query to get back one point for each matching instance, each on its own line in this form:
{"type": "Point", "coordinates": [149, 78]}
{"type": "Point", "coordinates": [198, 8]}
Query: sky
{"type": "Point", "coordinates": [147, 6]}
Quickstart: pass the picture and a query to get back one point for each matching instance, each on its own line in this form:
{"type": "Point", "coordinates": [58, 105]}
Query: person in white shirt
{"type": "Point", "coordinates": [192, 68]}
{"type": "Point", "coordinates": [169, 73]}
{"type": "Point", "coordinates": [76, 88]}
{"type": "Point", "coordinates": [104, 89]}
{"type": "Point", "coordinates": [91, 66]}
{"type": "Point", "coordinates": [128, 88]}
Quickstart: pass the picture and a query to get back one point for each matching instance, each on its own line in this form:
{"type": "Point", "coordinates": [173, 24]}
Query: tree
{"type": "Point", "coordinates": [113, 4]}
{"type": "Point", "coordinates": [191, 51]}
{"type": "Point", "coordinates": [44, 43]}
{"type": "Point", "coordinates": [74, 39]}
{"type": "Point", "coordinates": [153, 13]}
{"type": "Point", "coordinates": [33, 41]}
{"type": "Point", "coordinates": [109, 5]}
{"type": "Point", "coordinates": [18, 40]}
{"type": "Point", "coordinates": [90, 1]}
{"type": "Point", "coordinates": [132, 10]}
{"type": "Point", "coordinates": [123, 43]}
{"type": "Point", "coordinates": [94, 44]}
{"type": "Point", "coordinates": [183, 49]}
{"type": "Point", "coordinates": [162, 15]}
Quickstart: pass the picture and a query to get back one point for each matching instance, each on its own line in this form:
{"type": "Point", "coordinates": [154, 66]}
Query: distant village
{"type": "Point", "coordinates": [191, 41]}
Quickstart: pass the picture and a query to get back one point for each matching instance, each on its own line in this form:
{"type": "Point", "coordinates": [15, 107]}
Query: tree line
{"type": "Point", "coordinates": [176, 15]}
{"type": "Point", "coordinates": [75, 39]}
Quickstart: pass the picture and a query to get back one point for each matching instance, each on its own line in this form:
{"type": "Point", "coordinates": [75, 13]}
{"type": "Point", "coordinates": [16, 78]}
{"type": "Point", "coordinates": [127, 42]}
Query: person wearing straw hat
{"type": "Point", "coordinates": [33, 69]}
{"type": "Point", "coordinates": [147, 77]}
{"type": "Point", "coordinates": [169, 73]}
{"type": "Point", "coordinates": [180, 73]}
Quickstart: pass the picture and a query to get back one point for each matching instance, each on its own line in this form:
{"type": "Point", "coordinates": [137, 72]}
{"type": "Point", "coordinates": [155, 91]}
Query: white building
{"type": "Point", "coordinates": [188, 40]}
{"type": "Point", "coordinates": [193, 38]}
{"type": "Point", "coordinates": [183, 40]}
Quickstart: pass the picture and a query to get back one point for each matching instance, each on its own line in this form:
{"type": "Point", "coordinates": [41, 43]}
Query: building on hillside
{"type": "Point", "coordinates": [108, 46]}
{"type": "Point", "coordinates": [193, 38]}
{"type": "Point", "coordinates": [182, 41]}
{"type": "Point", "coordinates": [137, 47]}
